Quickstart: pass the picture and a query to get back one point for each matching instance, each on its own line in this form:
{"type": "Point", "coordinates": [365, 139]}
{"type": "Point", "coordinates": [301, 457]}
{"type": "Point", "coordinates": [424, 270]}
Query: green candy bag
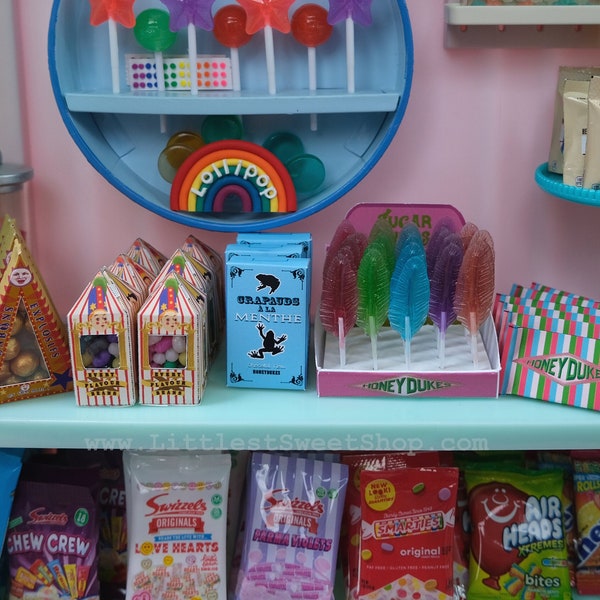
{"type": "Point", "coordinates": [518, 546]}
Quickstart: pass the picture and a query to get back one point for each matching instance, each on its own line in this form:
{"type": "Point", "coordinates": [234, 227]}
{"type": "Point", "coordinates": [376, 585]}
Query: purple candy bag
{"type": "Point", "coordinates": [51, 542]}
{"type": "Point", "coordinates": [293, 519]}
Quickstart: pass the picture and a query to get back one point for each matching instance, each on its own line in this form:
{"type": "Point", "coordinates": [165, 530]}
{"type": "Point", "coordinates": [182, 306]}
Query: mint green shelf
{"type": "Point", "coordinates": [291, 420]}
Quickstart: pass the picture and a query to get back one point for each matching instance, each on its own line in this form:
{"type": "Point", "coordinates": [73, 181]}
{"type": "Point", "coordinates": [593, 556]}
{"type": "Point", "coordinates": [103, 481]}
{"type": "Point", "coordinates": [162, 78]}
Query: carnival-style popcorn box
{"type": "Point", "coordinates": [267, 308]}
{"type": "Point", "coordinates": [172, 344]}
{"type": "Point", "coordinates": [204, 281]}
{"type": "Point", "coordinates": [34, 349]}
{"type": "Point", "coordinates": [146, 255]}
{"type": "Point", "coordinates": [102, 337]}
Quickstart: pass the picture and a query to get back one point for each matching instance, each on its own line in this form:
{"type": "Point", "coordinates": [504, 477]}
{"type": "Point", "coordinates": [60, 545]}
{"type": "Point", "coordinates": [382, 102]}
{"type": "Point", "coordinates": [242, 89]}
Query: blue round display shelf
{"type": "Point", "coordinates": [122, 122]}
{"type": "Point", "coordinates": [552, 184]}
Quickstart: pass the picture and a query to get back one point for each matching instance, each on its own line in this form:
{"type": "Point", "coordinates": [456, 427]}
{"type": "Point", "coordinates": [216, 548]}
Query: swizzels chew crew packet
{"type": "Point", "coordinates": [51, 542]}
{"type": "Point", "coordinates": [407, 533]}
{"type": "Point", "coordinates": [518, 546]}
{"type": "Point", "coordinates": [294, 512]}
{"type": "Point", "coordinates": [177, 519]}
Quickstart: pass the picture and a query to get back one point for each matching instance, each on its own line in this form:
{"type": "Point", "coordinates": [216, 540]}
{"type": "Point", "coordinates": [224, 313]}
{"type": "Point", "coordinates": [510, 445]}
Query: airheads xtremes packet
{"type": "Point", "coordinates": [518, 546]}
{"type": "Point", "coordinates": [177, 521]}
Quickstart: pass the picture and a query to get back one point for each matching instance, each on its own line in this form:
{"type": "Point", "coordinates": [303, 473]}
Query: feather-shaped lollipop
{"type": "Point", "coordinates": [441, 230]}
{"type": "Point", "coordinates": [383, 235]}
{"type": "Point", "coordinates": [409, 232]}
{"type": "Point", "coordinates": [357, 243]}
{"type": "Point", "coordinates": [339, 298]}
{"type": "Point", "coordinates": [475, 286]}
{"type": "Point", "coordinates": [467, 232]}
{"type": "Point", "coordinates": [373, 295]}
{"type": "Point", "coordinates": [342, 231]}
{"type": "Point", "coordinates": [443, 289]}
{"type": "Point", "coordinates": [409, 299]}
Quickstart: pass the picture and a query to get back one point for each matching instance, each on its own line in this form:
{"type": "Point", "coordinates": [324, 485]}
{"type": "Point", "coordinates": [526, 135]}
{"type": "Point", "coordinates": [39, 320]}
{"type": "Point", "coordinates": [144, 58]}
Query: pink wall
{"type": "Point", "coordinates": [477, 125]}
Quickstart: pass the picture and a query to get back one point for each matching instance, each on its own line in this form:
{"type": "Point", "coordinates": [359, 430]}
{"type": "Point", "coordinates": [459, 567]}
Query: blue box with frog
{"type": "Point", "coordinates": [268, 321]}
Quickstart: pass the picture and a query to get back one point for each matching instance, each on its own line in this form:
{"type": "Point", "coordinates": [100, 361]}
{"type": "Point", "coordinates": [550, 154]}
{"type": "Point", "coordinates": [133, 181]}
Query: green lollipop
{"type": "Point", "coordinates": [153, 33]}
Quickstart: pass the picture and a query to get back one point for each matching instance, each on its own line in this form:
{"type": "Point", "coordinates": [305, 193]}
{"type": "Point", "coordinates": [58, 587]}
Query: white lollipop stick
{"type": "Point", "coordinates": [350, 53]}
{"type": "Point", "coordinates": [114, 55]}
{"type": "Point", "coordinates": [312, 81]}
{"type": "Point", "coordinates": [235, 69]}
{"type": "Point", "coordinates": [193, 59]}
{"type": "Point", "coordinates": [160, 82]}
{"type": "Point", "coordinates": [270, 56]}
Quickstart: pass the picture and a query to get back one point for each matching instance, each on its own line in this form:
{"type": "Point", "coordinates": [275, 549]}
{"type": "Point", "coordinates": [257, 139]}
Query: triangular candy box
{"type": "Point", "coordinates": [34, 349]}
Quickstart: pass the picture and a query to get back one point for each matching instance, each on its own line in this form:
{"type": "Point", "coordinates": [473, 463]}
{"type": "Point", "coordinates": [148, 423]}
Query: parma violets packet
{"type": "Point", "coordinates": [293, 518]}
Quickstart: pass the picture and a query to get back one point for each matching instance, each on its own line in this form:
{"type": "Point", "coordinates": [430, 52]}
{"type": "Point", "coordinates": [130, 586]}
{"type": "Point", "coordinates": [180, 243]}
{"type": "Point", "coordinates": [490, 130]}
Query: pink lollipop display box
{"type": "Point", "coordinates": [460, 375]}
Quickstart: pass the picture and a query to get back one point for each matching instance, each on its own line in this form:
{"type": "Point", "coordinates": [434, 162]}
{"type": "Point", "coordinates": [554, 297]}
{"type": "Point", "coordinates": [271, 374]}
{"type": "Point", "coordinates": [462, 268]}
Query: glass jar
{"type": "Point", "coordinates": [12, 197]}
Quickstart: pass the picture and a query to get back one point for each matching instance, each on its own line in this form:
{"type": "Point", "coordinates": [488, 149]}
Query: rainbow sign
{"type": "Point", "coordinates": [235, 172]}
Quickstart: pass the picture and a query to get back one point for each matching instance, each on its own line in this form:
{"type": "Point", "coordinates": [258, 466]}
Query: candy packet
{"type": "Point", "coordinates": [408, 520]}
{"type": "Point", "coordinates": [10, 468]}
{"type": "Point", "coordinates": [51, 542]}
{"type": "Point", "coordinates": [177, 523]}
{"type": "Point", "coordinates": [586, 483]}
{"type": "Point", "coordinates": [575, 106]}
{"type": "Point", "coordinates": [518, 543]}
{"type": "Point", "coordinates": [292, 527]}
{"type": "Point", "coordinates": [352, 522]}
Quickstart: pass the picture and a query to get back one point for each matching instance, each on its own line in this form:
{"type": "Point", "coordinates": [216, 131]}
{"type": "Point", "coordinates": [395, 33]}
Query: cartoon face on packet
{"type": "Point", "coordinates": [493, 507]}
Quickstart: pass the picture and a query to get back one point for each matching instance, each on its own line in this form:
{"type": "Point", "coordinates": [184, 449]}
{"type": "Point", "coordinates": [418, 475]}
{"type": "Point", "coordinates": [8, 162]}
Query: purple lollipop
{"type": "Point", "coordinates": [350, 11]}
{"type": "Point", "coordinates": [191, 14]}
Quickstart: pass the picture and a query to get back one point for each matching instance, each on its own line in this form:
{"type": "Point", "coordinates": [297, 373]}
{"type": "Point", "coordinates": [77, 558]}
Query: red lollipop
{"type": "Point", "coordinates": [311, 29]}
{"type": "Point", "coordinates": [230, 30]}
{"type": "Point", "coordinates": [310, 26]}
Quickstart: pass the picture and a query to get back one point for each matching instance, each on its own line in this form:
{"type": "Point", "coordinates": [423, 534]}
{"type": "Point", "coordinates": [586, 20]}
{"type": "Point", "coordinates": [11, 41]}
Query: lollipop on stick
{"type": "Point", "coordinates": [153, 34]}
{"type": "Point", "coordinates": [350, 11]}
{"type": "Point", "coordinates": [267, 15]}
{"type": "Point", "coordinates": [230, 30]}
{"type": "Point", "coordinates": [310, 28]}
{"type": "Point", "coordinates": [113, 11]}
{"type": "Point", "coordinates": [189, 14]}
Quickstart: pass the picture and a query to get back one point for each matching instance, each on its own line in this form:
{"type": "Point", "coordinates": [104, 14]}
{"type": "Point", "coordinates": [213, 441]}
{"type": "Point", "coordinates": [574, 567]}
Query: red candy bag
{"type": "Point", "coordinates": [351, 525]}
{"type": "Point", "coordinates": [407, 533]}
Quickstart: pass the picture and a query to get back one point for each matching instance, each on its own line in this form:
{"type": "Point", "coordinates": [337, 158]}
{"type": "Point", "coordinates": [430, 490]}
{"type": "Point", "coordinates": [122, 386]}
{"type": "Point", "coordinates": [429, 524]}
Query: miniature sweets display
{"type": "Point", "coordinates": [268, 16]}
{"type": "Point", "coordinates": [230, 30]}
{"type": "Point", "coordinates": [113, 13]}
{"type": "Point", "coordinates": [189, 14]}
{"type": "Point", "coordinates": [310, 28]}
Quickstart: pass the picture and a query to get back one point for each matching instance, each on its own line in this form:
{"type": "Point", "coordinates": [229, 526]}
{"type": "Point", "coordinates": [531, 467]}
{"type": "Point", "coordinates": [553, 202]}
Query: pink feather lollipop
{"type": "Point", "coordinates": [113, 11]}
{"type": "Point", "coordinates": [230, 30]}
{"type": "Point", "coordinates": [311, 29]}
{"type": "Point", "coordinates": [268, 15]}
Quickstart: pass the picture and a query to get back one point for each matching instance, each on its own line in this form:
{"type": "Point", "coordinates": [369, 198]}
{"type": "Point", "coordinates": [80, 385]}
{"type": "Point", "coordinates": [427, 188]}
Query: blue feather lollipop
{"type": "Point", "coordinates": [409, 299]}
